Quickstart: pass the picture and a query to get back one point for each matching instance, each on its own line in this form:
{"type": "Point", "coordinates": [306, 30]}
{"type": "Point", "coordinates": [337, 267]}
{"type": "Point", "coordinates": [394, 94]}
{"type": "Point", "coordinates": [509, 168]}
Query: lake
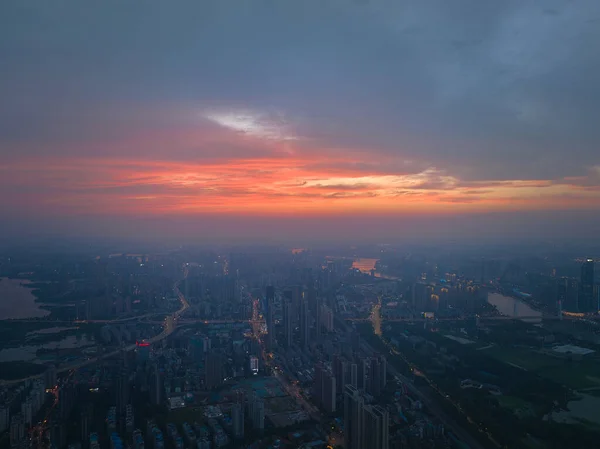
{"type": "Point", "coordinates": [18, 301]}
{"type": "Point", "coordinates": [512, 307]}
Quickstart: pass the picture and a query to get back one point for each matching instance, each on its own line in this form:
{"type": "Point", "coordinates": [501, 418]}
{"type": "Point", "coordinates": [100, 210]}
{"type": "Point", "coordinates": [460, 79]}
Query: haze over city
{"type": "Point", "coordinates": [299, 224]}
{"type": "Point", "coordinates": [304, 120]}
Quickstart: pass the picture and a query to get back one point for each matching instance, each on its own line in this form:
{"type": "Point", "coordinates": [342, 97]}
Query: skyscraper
{"type": "Point", "coordinates": [4, 417]}
{"type": "Point", "coordinates": [341, 370]}
{"type": "Point", "coordinates": [318, 385]}
{"type": "Point", "coordinates": [329, 392]}
{"type": "Point", "coordinates": [296, 299]}
{"type": "Point", "coordinates": [156, 385]}
{"type": "Point", "coordinates": [376, 427]}
{"type": "Point", "coordinates": [213, 370]}
{"type": "Point", "coordinates": [270, 300]}
{"type": "Point", "coordinates": [586, 300]}
{"type": "Point", "coordinates": [304, 324]}
{"type": "Point", "coordinates": [237, 418]}
{"type": "Point", "coordinates": [361, 371]}
{"type": "Point", "coordinates": [383, 363]}
{"type": "Point", "coordinates": [317, 315]}
{"type": "Point", "coordinates": [288, 325]}
{"type": "Point", "coordinates": [353, 417]}
{"type": "Point", "coordinates": [375, 377]}
{"type": "Point", "coordinates": [123, 391]}
{"type": "Point", "coordinates": [256, 409]}
{"type": "Point", "coordinates": [354, 375]}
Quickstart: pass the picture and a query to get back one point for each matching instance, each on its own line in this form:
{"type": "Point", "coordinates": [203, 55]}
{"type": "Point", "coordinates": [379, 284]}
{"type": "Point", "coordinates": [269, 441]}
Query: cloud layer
{"type": "Point", "coordinates": [306, 108]}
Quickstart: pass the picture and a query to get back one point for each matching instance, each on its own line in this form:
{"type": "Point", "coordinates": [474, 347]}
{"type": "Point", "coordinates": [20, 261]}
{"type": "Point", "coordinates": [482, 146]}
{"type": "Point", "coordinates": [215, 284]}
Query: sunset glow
{"type": "Point", "coordinates": [299, 181]}
{"type": "Point", "coordinates": [392, 110]}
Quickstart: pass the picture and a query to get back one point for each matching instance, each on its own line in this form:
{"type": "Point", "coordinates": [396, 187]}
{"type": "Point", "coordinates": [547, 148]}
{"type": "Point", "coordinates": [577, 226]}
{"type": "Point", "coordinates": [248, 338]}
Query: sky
{"type": "Point", "coordinates": [273, 119]}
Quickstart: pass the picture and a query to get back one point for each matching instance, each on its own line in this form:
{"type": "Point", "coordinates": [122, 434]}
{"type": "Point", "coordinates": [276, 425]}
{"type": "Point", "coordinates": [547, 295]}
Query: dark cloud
{"type": "Point", "coordinates": [486, 92]}
{"type": "Point", "coordinates": [477, 86]}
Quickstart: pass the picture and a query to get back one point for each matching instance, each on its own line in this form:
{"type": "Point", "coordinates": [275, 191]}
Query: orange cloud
{"type": "Point", "coordinates": [258, 176]}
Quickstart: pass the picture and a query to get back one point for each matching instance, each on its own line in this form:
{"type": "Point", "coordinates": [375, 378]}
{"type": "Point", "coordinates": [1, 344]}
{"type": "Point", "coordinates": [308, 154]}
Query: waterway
{"type": "Point", "coordinates": [512, 306]}
{"type": "Point", "coordinates": [18, 301]}
{"type": "Point", "coordinates": [28, 352]}
{"type": "Point", "coordinates": [364, 264]}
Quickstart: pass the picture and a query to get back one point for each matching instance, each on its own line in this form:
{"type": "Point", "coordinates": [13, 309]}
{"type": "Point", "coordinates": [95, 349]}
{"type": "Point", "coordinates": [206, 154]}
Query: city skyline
{"type": "Point", "coordinates": [123, 120]}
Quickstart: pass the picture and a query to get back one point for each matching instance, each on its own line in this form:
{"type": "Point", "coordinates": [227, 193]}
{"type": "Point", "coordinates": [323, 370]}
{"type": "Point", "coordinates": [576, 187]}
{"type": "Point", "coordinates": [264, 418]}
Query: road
{"type": "Point", "coordinates": [288, 386]}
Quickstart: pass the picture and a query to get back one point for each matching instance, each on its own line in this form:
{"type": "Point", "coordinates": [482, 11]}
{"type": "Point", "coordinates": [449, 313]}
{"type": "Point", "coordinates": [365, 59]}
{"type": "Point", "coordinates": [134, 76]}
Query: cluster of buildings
{"type": "Point", "coordinates": [20, 408]}
{"type": "Point", "coordinates": [579, 295]}
{"type": "Point", "coordinates": [369, 374]}
{"type": "Point", "coordinates": [366, 425]}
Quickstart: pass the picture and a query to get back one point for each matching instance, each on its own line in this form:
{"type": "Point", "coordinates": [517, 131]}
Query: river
{"type": "Point", "coordinates": [17, 300]}
{"type": "Point", "coordinates": [28, 352]}
{"type": "Point", "coordinates": [364, 264]}
{"type": "Point", "coordinates": [512, 307]}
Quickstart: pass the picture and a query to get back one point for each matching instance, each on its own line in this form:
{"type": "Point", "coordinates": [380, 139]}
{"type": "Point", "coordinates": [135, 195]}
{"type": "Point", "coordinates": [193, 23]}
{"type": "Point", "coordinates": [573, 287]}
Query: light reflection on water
{"type": "Point", "coordinates": [512, 307]}
{"type": "Point", "coordinates": [364, 265]}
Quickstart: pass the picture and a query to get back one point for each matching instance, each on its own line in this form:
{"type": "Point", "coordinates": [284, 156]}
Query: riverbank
{"type": "Point", "coordinates": [513, 307]}
{"type": "Point", "coordinates": [18, 301]}
{"type": "Point", "coordinates": [18, 370]}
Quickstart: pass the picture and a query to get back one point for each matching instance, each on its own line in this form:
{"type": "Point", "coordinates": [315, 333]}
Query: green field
{"type": "Point", "coordinates": [512, 402]}
{"type": "Point", "coordinates": [575, 375]}
{"type": "Point", "coordinates": [528, 360]}
{"type": "Point", "coordinates": [516, 405]}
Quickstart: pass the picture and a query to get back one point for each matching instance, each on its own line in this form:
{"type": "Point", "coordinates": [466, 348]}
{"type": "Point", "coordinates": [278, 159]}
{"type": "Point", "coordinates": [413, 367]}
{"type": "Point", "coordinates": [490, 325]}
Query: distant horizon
{"type": "Point", "coordinates": [578, 229]}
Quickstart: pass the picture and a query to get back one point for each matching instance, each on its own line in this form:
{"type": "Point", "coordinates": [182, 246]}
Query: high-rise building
{"type": "Point", "coordinates": [361, 373]}
{"type": "Point", "coordinates": [375, 377]}
{"type": "Point", "coordinates": [354, 375]}
{"type": "Point", "coordinates": [50, 377]}
{"type": "Point", "coordinates": [213, 371]}
{"type": "Point", "coordinates": [326, 318]}
{"type": "Point", "coordinates": [17, 430]}
{"type": "Point", "coordinates": [297, 296]}
{"type": "Point", "coordinates": [304, 324]}
{"type": "Point", "coordinates": [237, 418]}
{"type": "Point", "coordinates": [353, 417]}
{"type": "Point", "coordinates": [288, 324]}
{"type": "Point", "coordinates": [318, 385]}
{"type": "Point", "coordinates": [329, 392]}
{"type": "Point", "coordinates": [341, 370]}
{"type": "Point", "coordinates": [376, 427]}
{"type": "Point", "coordinates": [317, 315]}
{"type": "Point", "coordinates": [123, 391]}
{"type": "Point", "coordinates": [256, 410]}
{"type": "Point", "coordinates": [561, 294]}
{"type": "Point", "coordinates": [573, 294]}
{"type": "Point", "coordinates": [156, 386]}
{"type": "Point", "coordinates": [86, 419]}
{"type": "Point", "coordinates": [383, 363]}
{"type": "Point", "coordinates": [586, 300]}
{"type": "Point", "coordinates": [27, 412]}
{"type": "Point", "coordinates": [270, 318]}
{"type": "Point", "coordinates": [4, 418]}
{"type": "Point", "coordinates": [253, 361]}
